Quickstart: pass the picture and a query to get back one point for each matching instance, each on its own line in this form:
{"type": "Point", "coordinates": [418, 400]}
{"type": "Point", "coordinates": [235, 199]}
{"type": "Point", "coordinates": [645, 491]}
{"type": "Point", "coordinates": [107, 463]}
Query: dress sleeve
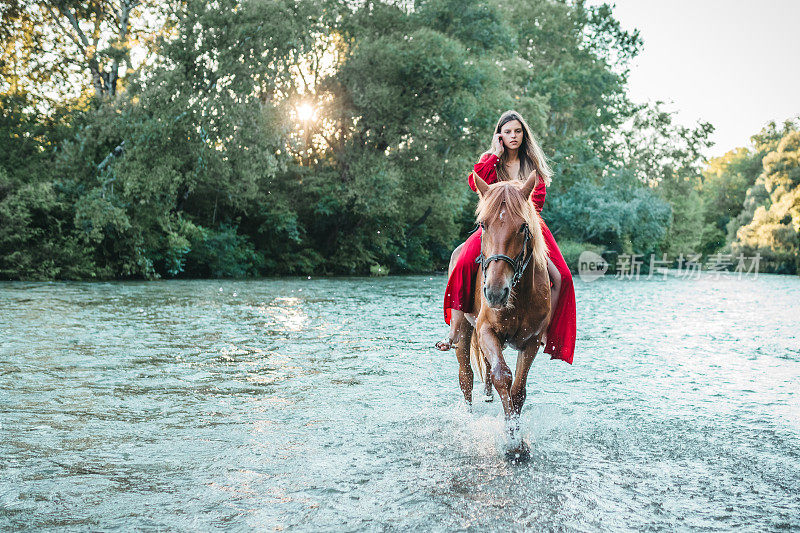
{"type": "Point", "coordinates": [485, 169]}
{"type": "Point", "coordinates": [538, 194]}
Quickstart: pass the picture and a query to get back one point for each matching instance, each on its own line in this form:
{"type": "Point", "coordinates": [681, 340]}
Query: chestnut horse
{"type": "Point", "coordinates": [511, 294]}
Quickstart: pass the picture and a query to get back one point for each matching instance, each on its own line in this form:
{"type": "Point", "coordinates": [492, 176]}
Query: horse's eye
{"type": "Point", "coordinates": [522, 228]}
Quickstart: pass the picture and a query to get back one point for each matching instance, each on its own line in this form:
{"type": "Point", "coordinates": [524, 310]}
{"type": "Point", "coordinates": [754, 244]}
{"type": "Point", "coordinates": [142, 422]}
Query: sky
{"type": "Point", "coordinates": [734, 63]}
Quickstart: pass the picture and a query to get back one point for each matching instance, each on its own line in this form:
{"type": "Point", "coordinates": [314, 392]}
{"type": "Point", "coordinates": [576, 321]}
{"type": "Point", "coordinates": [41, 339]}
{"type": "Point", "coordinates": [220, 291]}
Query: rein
{"type": "Point", "coordinates": [517, 263]}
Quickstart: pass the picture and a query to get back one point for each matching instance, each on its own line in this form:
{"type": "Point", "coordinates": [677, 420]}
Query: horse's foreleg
{"type": "Point", "coordinates": [465, 375]}
{"type": "Point", "coordinates": [524, 361]}
{"type": "Point", "coordinates": [500, 373]}
{"type": "Point", "coordinates": [488, 394]}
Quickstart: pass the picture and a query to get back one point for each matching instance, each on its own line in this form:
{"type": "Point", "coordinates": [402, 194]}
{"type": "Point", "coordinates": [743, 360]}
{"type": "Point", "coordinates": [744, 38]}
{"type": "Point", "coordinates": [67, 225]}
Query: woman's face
{"type": "Point", "coordinates": [512, 134]}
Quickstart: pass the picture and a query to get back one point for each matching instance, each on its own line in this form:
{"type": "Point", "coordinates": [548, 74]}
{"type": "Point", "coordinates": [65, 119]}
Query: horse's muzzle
{"type": "Point", "coordinates": [495, 296]}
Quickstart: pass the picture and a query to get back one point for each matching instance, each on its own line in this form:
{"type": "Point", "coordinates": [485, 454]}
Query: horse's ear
{"type": "Point", "coordinates": [480, 184]}
{"type": "Point", "coordinates": [530, 183]}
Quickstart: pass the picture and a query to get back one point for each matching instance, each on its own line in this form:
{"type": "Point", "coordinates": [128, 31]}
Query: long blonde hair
{"type": "Point", "coordinates": [530, 154]}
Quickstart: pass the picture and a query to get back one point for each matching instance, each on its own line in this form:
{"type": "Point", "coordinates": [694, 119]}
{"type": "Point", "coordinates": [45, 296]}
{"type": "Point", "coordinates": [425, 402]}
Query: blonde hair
{"type": "Point", "coordinates": [531, 156]}
{"type": "Point", "coordinates": [510, 193]}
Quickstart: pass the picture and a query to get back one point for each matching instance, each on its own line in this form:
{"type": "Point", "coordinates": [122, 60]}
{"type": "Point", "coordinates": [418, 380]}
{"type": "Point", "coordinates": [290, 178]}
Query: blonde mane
{"type": "Point", "coordinates": [508, 193]}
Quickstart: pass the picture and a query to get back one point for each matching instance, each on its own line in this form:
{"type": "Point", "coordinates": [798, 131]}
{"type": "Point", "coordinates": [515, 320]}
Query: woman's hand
{"type": "Point", "coordinates": [497, 144]}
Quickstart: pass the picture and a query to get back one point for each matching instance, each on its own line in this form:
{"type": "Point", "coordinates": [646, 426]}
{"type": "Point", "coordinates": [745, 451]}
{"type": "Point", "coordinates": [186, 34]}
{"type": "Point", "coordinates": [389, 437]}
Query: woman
{"type": "Point", "coordinates": [514, 155]}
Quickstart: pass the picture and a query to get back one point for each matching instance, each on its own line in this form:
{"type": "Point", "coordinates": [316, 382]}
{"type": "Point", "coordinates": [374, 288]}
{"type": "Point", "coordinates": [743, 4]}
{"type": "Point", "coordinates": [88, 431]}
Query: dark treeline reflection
{"type": "Point", "coordinates": [144, 139]}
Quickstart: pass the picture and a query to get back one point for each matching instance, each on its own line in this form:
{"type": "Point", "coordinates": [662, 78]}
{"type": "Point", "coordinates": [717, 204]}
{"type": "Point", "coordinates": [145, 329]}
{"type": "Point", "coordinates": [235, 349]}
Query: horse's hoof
{"type": "Point", "coordinates": [520, 454]}
{"type": "Point", "coordinates": [488, 398]}
{"type": "Point", "coordinates": [468, 406]}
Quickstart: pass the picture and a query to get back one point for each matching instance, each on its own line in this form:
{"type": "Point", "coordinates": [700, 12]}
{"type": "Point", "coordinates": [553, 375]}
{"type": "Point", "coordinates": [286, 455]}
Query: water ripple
{"type": "Point", "coordinates": [321, 405]}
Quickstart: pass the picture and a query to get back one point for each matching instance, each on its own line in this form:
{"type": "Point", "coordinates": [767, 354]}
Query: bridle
{"type": "Point", "coordinates": [519, 263]}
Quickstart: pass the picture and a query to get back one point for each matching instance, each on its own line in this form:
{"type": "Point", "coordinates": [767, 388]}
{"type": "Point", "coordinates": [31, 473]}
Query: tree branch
{"type": "Point", "coordinates": [74, 22]}
{"type": "Point", "coordinates": [308, 91]}
{"type": "Point", "coordinates": [116, 152]}
{"type": "Point", "coordinates": [420, 221]}
{"type": "Point", "coordinates": [98, 18]}
{"type": "Point", "coordinates": [124, 15]}
{"type": "Point", "coordinates": [64, 30]}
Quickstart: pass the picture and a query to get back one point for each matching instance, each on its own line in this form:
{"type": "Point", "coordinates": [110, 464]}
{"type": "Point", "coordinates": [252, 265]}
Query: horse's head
{"type": "Point", "coordinates": [511, 241]}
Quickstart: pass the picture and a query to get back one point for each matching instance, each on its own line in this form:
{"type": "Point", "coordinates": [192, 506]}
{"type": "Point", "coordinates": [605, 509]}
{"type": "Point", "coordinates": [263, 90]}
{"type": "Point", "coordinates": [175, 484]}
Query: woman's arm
{"type": "Point", "coordinates": [485, 169]}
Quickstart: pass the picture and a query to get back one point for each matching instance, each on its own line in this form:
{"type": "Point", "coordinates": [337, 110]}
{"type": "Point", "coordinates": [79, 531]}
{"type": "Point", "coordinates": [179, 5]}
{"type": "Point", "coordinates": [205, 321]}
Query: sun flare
{"type": "Point", "coordinates": [305, 112]}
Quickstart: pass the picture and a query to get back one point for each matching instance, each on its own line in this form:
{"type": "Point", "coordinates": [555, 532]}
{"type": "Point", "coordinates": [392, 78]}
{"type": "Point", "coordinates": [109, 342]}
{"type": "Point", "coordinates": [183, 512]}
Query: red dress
{"type": "Point", "coordinates": [458, 295]}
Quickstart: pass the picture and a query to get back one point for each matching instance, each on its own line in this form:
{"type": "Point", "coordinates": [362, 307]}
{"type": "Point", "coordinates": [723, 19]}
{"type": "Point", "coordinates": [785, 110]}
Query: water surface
{"type": "Point", "coordinates": [320, 404]}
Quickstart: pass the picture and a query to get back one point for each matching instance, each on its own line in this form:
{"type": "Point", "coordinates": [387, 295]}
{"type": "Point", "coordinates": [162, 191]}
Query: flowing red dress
{"type": "Point", "coordinates": [458, 295]}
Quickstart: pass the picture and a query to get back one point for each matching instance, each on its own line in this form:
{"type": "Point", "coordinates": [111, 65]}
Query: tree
{"type": "Point", "coordinates": [53, 44]}
{"type": "Point", "coordinates": [724, 185]}
{"type": "Point", "coordinates": [576, 68]}
{"type": "Point", "coordinates": [328, 137]}
{"type": "Point", "coordinates": [774, 230]}
{"type": "Point", "coordinates": [621, 215]}
{"type": "Point", "coordinates": [37, 237]}
{"type": "Point", "coordinates": [764, 142]}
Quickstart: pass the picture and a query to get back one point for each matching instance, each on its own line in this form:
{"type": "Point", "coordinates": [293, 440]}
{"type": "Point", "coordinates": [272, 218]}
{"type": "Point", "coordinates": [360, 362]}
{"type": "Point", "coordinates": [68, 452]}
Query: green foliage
{"type": "Point", "coordinates": [37, 238]}
{"type": "Point", "coordinates": [667, 159]}
{"type": "Point", "coordinates": [477, 25]}
{"type": "Point", "coordinates": [774, 230]}
{"type": "Point", "coordinates": [200, 165]}
{"type": "Point", "coordinates": [618, 216]}
{"type": "Point", "coordinates": [576, 60]}
{"type": "Point", "coordinates": [377, 270]}
{"type": "Point", "coordinates": [725, 182]}
{"type": "Point", "coordinates": [220, 254]}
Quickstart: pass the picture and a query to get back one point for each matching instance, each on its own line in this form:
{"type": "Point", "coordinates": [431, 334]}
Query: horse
{"type": "Point", "coordinates": [511, 294]}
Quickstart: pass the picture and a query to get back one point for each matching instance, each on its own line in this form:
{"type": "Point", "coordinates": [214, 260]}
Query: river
{"type": "Point", "coordinates": [320, 404]}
